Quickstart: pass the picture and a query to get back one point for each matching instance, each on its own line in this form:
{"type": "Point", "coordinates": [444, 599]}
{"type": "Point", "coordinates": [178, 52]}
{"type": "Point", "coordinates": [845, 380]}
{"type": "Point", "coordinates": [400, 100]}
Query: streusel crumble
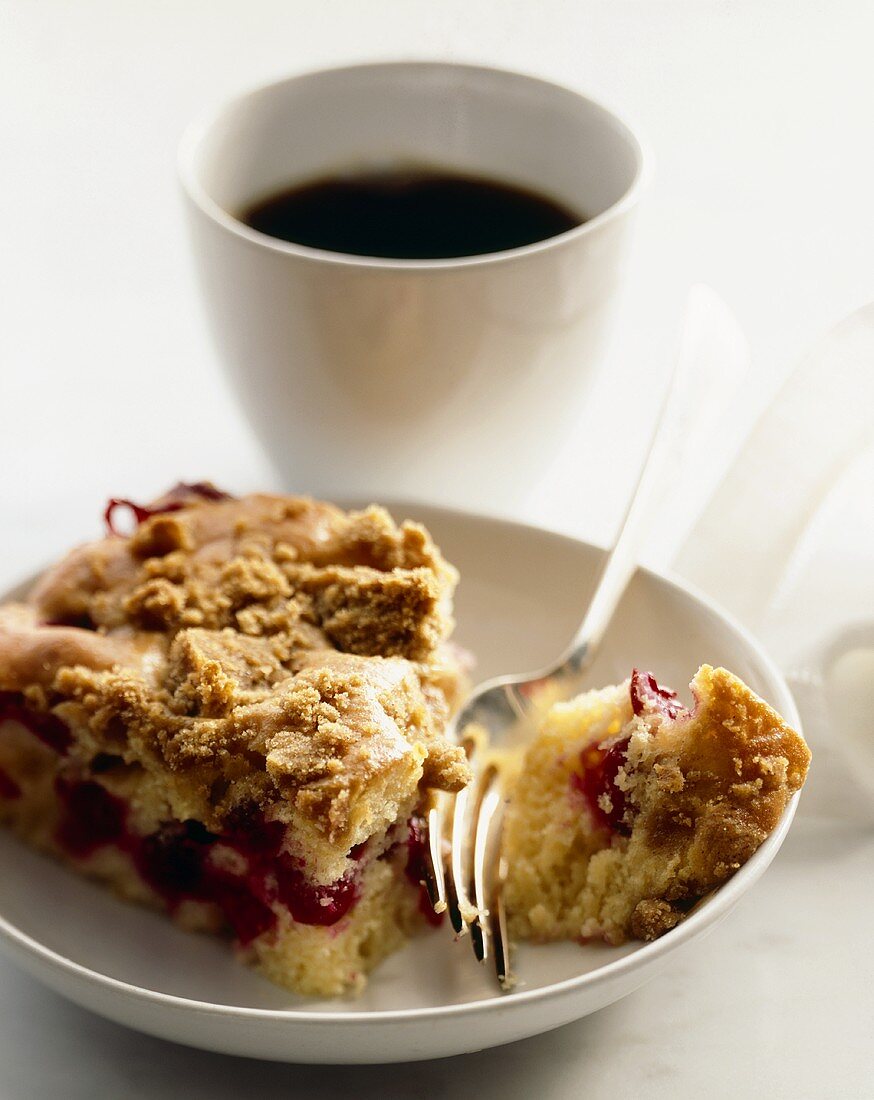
{"type": "Point", "coordinates": [236, 713]}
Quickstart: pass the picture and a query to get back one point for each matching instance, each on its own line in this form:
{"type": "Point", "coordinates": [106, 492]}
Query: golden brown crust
{"type": "Point", "coordinates": [651, 918]}
{"type": "Point", "coordinates": [714, 787]}
{"type": "Point", "coordinates": [269, 650]}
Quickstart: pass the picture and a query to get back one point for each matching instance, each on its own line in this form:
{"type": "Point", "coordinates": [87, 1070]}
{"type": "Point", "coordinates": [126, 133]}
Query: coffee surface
{"type": "Point", "coordinates": [414, 214]}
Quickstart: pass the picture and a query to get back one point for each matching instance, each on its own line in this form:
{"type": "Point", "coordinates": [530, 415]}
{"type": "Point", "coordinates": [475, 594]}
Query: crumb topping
{"type": "Point", "coordinates": [268, 650]}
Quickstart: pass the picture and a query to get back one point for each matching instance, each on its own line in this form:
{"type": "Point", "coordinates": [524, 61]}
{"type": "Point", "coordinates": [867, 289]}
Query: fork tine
{"type": "Point", "coordinates": [454, 908]}
{"type": "Point", "coordinates": [435, 881]}
{"type": "Point", "coordinates": [487, 803]}
{"type": "Point", "coordinates": [478, 940]}
{"type": "Point", "coordinates": [459, 902]}
{"type": "Point", "coordinates": [498, 920]}
{"type": "Point", "coordinates": [461, 910]}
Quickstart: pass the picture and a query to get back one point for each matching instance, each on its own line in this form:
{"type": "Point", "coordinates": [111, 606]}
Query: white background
{"type": "Point", "coordinates": [760, 113]}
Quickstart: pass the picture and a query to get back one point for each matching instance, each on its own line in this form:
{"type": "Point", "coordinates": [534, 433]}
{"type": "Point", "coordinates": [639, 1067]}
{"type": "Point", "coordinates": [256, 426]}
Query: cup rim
{"type": "Point", "coordinates": [203, 123]}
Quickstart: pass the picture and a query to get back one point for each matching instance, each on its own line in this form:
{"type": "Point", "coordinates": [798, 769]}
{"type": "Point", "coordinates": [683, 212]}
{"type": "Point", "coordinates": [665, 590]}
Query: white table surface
{"type": "Point", "coordinates": [760, 113]}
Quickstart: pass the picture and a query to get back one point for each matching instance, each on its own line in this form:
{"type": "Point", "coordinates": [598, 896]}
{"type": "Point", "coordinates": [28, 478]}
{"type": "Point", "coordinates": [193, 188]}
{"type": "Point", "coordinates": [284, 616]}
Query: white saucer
{"type": "Point", "coordinates": [522, 594]}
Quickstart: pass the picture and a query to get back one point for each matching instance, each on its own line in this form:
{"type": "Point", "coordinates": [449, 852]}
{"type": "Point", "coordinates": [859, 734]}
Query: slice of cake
{"type": "Point", "coordinates": [236, 713]}
{"type": "Point", "coordinates": [629, 807]}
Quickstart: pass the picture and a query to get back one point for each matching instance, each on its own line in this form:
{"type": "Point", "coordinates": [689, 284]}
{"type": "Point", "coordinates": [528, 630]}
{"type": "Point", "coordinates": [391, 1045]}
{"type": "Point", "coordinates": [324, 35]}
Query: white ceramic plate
{"type": "Point", "coordinates": [522, 593]}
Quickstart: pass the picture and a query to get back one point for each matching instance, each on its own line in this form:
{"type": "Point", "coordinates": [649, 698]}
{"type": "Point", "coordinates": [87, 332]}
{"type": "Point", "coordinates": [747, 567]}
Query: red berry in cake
{"type": "Point", "coordinates": [648, 697]}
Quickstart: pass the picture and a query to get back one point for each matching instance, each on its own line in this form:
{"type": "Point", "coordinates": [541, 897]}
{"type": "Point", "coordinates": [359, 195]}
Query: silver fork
{"type": "Point", "coordinates": [472, 886]}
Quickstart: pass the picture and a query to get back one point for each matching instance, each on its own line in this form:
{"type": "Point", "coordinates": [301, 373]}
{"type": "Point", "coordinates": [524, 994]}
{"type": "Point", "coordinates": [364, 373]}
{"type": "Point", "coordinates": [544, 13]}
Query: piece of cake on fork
{"type": "Point", "coordinates": [629, 807]}
{"type": "Point", "coordinates": [236, 713]}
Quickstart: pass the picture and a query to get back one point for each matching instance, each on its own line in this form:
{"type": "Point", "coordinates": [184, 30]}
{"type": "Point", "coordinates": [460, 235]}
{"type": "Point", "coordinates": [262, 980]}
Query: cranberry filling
{"type": "Point", "coordinates": [253, 837]}
{"type": "Point", "coordinates": [260, 842]}
{"type": "Point", "coordinates": [47, 727]}
{"type": "Point", "coordinates": [309, 904]}
{"type": "Point", "coordinates": [598, 783]}
{"type": "Point", "coordinates": [176, 863]}
{"type": "Point", "coordinates": [91, 817]}
{"type": "Point", "coordinates": [139, 513]}
{"type": "Point", "coordinates": [180, 495]}
{"type": "Point", "coordinates": [8, 787]}
{"type": "Point", "coordinates": [171, 860]}
{"type": "Point", "coordinates": [249, 916]}
{"type": "Point", "coordinates": [648, 696]}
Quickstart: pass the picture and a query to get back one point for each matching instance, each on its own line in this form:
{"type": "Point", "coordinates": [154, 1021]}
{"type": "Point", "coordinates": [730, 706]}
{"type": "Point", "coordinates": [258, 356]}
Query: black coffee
{"type": "Point", "coordinates": [418, 214]}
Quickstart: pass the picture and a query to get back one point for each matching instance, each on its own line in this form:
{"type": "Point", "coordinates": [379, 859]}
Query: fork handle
{"type": "Point", "coordinates": [693, 388]}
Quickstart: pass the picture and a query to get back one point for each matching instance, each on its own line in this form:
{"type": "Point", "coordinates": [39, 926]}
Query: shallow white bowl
{"type": "Point", "coordinates": [521, 596]}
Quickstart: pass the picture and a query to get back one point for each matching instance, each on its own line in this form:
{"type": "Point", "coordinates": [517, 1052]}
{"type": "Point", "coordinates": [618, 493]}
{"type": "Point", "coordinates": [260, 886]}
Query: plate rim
{"type": "Point", "coordinates": [691, 928]}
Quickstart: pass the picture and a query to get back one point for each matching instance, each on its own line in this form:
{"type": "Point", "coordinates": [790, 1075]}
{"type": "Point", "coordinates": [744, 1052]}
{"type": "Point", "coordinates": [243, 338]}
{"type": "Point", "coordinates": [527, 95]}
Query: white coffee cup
{"type": "Point", "coordinates": [451, 380]}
